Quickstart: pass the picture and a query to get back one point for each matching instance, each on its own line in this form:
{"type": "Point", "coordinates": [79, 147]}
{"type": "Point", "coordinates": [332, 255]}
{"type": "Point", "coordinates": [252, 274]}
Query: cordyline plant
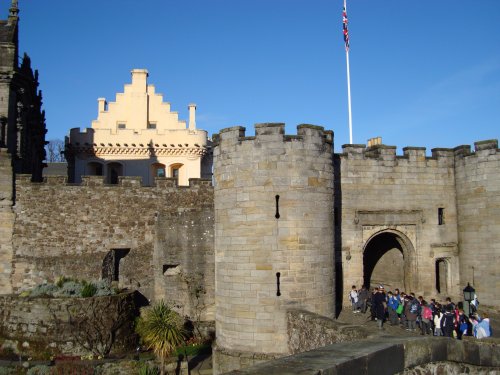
{"type": "Point", "coordinates": [161, 329]}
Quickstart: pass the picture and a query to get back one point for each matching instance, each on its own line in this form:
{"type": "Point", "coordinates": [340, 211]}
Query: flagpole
{"type": "Point", "coordinates": [349, 96]}
{"type": "Point", "coordinates": [348, 84]}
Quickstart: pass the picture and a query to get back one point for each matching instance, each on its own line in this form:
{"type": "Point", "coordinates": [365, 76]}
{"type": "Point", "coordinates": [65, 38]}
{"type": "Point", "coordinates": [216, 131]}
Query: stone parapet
{"type": "Point", "coordinates": [414, 153]}
{"type": "Point", "coordinates": [490, 144]}
{"type": "Point", "coordinates": [386, 355]}
{"type": "Point", "coordinates": [92, 181]}
{"type": "Point", "coordinates": [123, 181]}
{"type": "Point", "coordinates": [55, 180]}
{"type": "Point", "coordinates": [442, 153]}
{"type": "Point", "coordinates": [307, 331]}
{"type": "Point", "coordinates": [270, 132]}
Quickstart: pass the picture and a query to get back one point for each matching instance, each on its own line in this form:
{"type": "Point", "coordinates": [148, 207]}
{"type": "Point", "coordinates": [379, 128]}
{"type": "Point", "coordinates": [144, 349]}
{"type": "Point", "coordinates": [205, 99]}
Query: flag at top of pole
{"type": "Point", "coordinates": [346, 41]}
{"type": "Point", "coordinates": [346, 31]}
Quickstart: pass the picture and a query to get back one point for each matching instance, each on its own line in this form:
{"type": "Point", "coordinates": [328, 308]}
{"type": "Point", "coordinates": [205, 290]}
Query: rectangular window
{"type": "Point", "coordinates": [151, 125]}
{"type": "Point", "coordinates": [440, 216]}
{"type": "Point", "coordinates": [122, 125]}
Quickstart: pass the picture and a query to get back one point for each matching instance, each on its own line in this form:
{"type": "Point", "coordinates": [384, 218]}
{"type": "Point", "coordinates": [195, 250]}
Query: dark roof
{"type": "Point", "coordinates": [55, 169]}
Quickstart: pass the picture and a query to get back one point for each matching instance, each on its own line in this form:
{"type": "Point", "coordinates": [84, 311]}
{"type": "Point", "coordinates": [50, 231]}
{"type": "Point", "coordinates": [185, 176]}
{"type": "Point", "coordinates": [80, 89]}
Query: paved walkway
{"type": "Point", "coordinates": [202, 365]}
{"type": "Point", "coordinates": [347, 316]}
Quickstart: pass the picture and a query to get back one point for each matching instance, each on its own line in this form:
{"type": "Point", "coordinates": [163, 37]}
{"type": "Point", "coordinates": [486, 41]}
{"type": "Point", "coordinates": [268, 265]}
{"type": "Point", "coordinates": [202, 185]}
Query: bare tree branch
{"type": "Point", "coordinates": [55, 151]}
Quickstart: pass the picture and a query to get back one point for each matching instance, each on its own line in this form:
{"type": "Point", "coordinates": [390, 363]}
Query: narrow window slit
{"type": "Point", "coordinates": [277, 216]}
{"type": "Point", "coordinates": [440, 216]}
{"type": "Point", "coordinates": [278, 293]}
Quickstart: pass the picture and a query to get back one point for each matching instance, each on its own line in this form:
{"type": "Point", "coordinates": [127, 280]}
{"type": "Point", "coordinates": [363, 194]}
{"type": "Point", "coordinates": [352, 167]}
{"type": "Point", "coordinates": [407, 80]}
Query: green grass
{"type": "Point", "coordinates": [192, 350]}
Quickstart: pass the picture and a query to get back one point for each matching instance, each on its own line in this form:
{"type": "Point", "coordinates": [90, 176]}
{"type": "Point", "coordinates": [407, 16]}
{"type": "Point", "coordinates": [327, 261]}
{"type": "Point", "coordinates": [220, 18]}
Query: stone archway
{"type": "Point", "coordinates": [388, 259]}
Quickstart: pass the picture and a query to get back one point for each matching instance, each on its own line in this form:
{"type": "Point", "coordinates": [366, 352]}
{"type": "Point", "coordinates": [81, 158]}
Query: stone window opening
{"type": "Point", "coordinates": [151, 125]}
{"type": "Point", "coordinates": [114, 171]}
{"type": "Point", "coordinates": [440, 216]}
{"type": "Point", "coordinates": [159, 170]}
{"type": "Point", "coordinates": [122, 125]}
{"type": "Point", "coordinates": [94, 169]}
{"type": "Point", "coordinates": [175, 171]}
{"type": "Point", "coordinates": [111, 264]}
{"type": "Point", "coordinates": [171, 269]}
{"type": "Point", "coordinates": [442, 275]}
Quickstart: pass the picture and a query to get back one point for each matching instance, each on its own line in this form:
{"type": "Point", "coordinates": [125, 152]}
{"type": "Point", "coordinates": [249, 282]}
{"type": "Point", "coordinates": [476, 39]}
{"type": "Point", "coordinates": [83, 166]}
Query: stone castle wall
{"type": "Point", "coordinates": [184, 259]}
{"type": "Point", "coordinates": [68, 325]}
{"type": "Point", "coordinates": [273, 224]}
{"type": "Point", "coordinates": [398, 195]}
{"type": "Point", "coordinates": [6, 221]}
{"type": "Point", "coordinates": [69, 230]}
{"type": "Point", "coordinates": [478, 200]}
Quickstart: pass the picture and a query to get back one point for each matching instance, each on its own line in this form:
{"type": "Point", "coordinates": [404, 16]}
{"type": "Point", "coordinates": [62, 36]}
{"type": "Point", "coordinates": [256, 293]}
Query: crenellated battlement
{"type": "Point", "coordinates": [417, 154]}
{"type": "Point", "coordinates": [273, 132]}
{"type": "Point", "coordinates": [123, 181]}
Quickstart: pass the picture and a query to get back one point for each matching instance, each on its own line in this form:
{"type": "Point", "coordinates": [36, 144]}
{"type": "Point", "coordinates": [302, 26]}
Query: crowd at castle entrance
{"type": "Point", "coordinates": [429, 317]}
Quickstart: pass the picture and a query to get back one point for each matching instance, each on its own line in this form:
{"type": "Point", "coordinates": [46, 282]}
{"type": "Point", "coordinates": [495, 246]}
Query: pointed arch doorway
{"type": "Point", "coordinates": [388, 259]}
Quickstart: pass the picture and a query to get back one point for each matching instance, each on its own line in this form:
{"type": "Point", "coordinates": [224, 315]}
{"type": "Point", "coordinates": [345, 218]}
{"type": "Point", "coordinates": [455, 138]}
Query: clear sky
{"type": "Point", "coordinates": [423, 72]}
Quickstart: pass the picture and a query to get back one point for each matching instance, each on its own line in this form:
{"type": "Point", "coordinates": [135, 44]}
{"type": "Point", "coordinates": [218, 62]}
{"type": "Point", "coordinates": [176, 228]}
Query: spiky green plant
{"type": "Point", "coordinates": [160, 329]}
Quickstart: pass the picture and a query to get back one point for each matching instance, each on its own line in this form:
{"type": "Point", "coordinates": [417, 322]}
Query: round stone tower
{"type": "Point", "coordinates": [274, 237]}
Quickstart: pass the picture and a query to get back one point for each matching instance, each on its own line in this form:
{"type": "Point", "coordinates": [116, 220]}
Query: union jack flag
{"type": "Point", "coordinates": [346, 31]}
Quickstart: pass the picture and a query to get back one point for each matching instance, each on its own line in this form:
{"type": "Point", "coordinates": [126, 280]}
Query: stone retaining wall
{"type": "Point", "coordinates": [385, 355]}
{"type": "Point", "coordinates": [307, 331]}
{"type": "Point", "coordinates": [76, 326]}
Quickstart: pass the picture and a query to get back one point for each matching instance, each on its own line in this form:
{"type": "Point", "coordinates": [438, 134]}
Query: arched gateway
{"type": "Point", "coordinates": [389, 259]}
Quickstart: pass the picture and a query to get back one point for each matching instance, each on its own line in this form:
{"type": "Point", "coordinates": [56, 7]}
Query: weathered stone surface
{"type": "Point", "coordinates": [385, 355]}
{"type": "Point", "coordinates": [184, 260]}
{"type": "Point", "coordinates": [478, 207]}
{"type": "Point", "coordinates": [69, 325]}
{"type": "Point", "coordinates": [273, 224]}
{"type": "Point", "coordinates": [449, 368]}
{"type": "Point", "coordinates": [307, 331]}
{"type": "Point", "coordinates": [7, 218]}
{"type": "Point", "coordinates": [69, 230]}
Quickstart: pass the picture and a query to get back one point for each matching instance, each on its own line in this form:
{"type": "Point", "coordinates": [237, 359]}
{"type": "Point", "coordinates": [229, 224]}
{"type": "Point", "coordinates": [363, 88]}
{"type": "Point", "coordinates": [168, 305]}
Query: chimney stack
{"type": "Point", "coordinates": [101, 105]}
{"type": "Point", "coordinates": [192, 116]}
{"type": "Point", "coordinates": [139, 80]}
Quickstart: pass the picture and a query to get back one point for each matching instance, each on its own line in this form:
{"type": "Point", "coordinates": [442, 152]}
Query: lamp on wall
{"type": "Point", "coordinates": [469, 293]}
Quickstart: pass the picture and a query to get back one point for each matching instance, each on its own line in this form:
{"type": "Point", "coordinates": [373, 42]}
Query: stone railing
{"type": "Point", "coordinates": [307, 331]}
{"type": "Point", "coordinates": [389, 355]}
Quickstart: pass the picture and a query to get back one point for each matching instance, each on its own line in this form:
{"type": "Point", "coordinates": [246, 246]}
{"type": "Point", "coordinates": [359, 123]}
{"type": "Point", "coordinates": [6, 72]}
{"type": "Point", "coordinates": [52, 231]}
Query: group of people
{"type": "Point", "coordinates": [412, 313]}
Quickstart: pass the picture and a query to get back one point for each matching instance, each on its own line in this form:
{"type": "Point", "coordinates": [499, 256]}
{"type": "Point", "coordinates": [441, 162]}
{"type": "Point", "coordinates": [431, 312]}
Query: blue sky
{"type": "Point", "coordinates": [423, 72]}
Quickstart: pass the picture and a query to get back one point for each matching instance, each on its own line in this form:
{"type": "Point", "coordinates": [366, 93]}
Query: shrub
{"type": "Point", "coordinates": [43, 290]}
{"type": "Point", "coordinates": [69, 289]}
{"type": "Point", "coordinates": [62, 280]}
{"type": "Point", "coordinates": [145, 369]}
{"type": "Point", "coordinates": [88, 290]}
{"type": "Point", "coordinates": [161, 329]}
